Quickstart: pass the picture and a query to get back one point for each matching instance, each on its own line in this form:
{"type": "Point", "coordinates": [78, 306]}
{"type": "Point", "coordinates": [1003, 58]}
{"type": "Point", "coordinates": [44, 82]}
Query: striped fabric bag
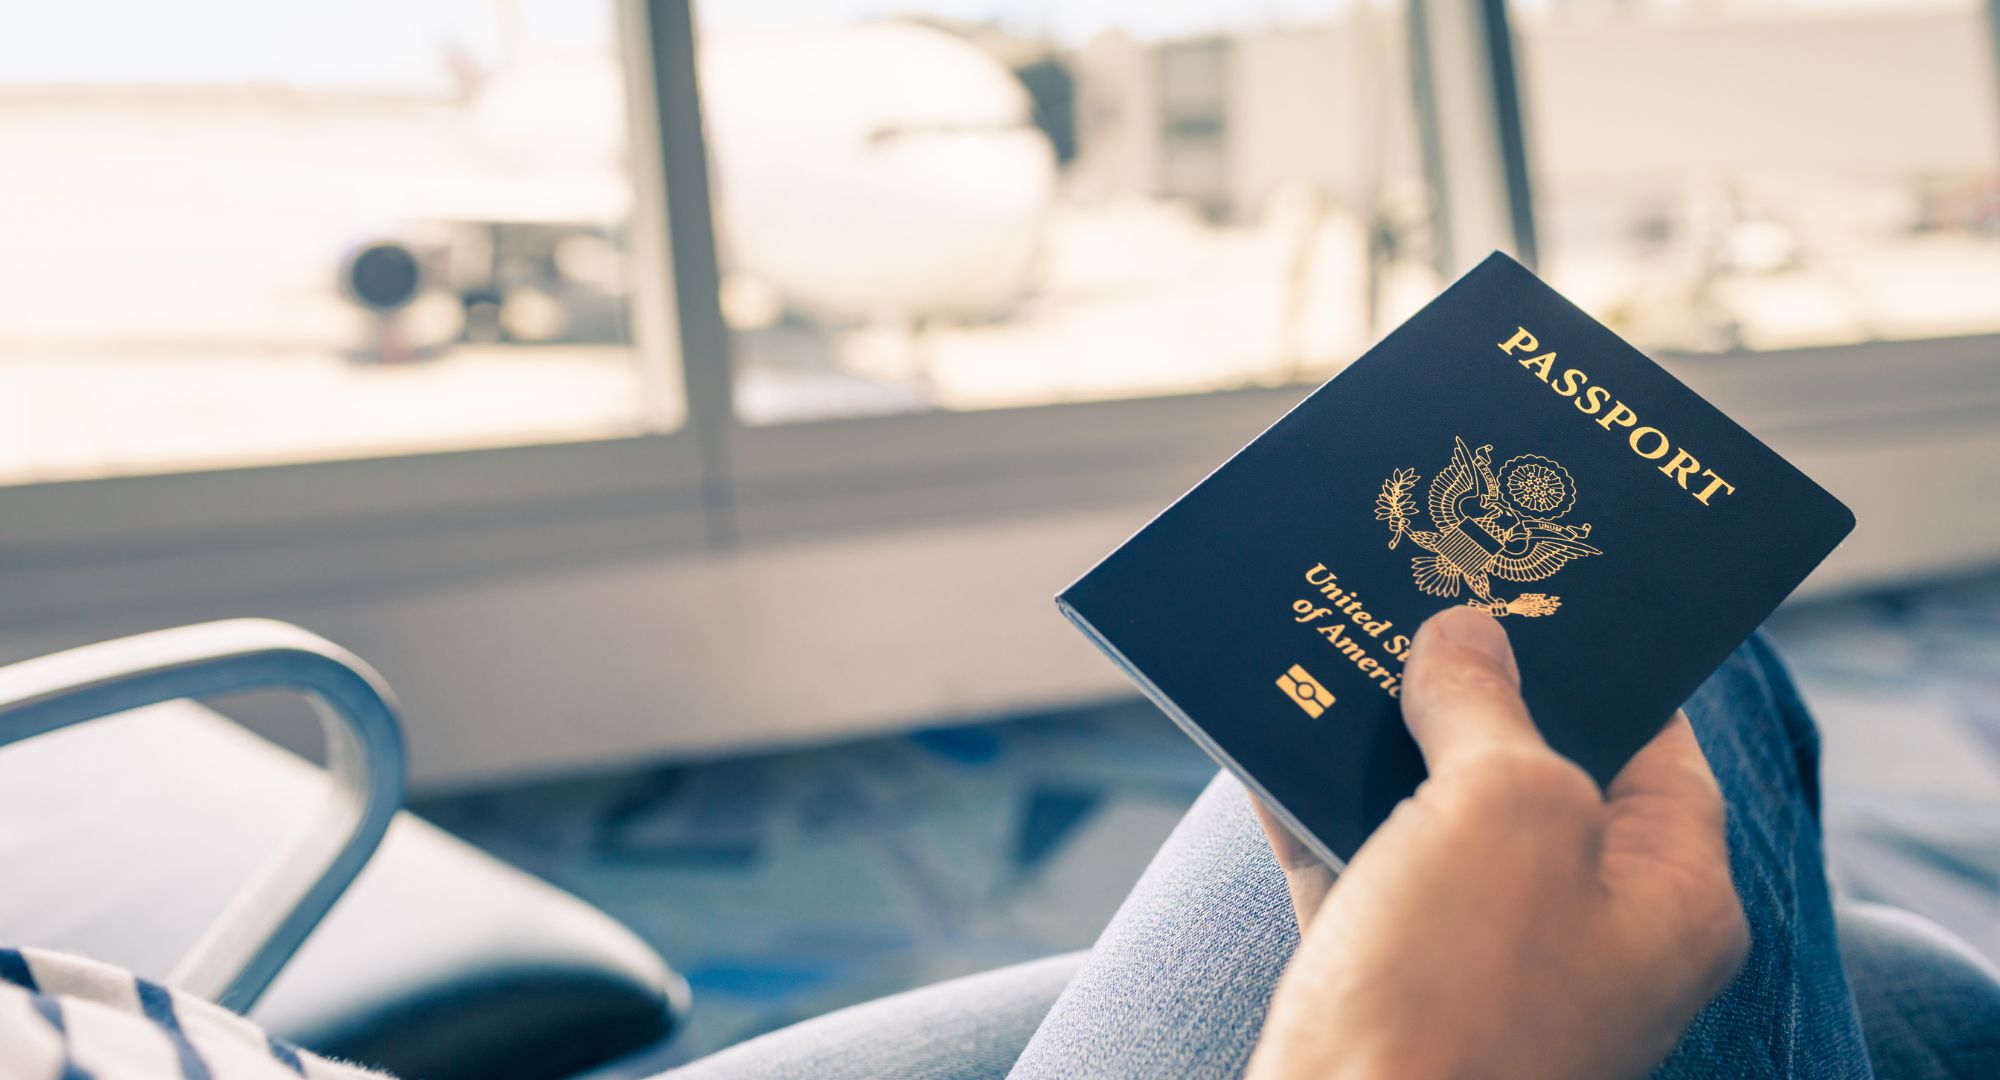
{"type": "Point", "coordinates": [66, 1018]}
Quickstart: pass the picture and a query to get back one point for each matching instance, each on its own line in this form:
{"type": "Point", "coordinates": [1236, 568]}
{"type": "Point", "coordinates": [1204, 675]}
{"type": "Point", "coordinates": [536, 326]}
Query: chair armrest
{"type": "Point", "coordinates": [242, 951]}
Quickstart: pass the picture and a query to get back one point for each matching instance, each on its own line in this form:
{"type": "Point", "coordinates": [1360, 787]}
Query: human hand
{"type": "Point", "coordinates": [1509, 919]}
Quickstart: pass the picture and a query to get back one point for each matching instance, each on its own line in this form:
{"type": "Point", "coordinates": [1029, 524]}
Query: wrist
{"type": "Point", "coordinates": [1405, 1063]}
{"type": "Point", "coordinates": [1328, 1053]}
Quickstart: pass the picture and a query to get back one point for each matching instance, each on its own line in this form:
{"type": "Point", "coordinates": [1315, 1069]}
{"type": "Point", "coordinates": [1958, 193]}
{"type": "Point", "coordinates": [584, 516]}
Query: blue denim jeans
{"type": "Point", "coordinates": [1178, 983]}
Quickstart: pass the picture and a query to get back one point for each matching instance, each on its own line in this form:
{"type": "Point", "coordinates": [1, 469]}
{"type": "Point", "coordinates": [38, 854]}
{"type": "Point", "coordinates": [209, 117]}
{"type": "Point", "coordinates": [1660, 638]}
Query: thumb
{"type": "Point", "coordinates": [1462, 692]}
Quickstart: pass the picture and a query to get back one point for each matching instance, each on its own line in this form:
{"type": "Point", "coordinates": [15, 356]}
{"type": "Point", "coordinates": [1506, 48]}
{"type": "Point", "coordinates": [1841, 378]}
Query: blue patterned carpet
{"type": "Point", "coordinates": [785, 885]}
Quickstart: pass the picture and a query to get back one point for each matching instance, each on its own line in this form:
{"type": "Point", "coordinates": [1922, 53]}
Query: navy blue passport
{"type": "Point", "coordinates": [1500, 449]}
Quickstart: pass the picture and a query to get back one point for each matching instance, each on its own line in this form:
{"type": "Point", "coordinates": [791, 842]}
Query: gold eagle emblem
{"type": "Point", "coordinates": [1488, 524]}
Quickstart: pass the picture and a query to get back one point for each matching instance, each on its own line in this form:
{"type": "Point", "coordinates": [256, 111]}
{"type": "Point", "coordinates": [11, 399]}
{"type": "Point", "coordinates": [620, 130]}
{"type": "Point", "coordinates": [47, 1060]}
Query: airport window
{"type": "Point", "coordinates": [247, 234]}
{"type": "Point", "coordinates": [241, 237]}
{"type": "Point", "coordinates": [1755, 174]}
{"type": "Point", "coordinates": [937, 206]}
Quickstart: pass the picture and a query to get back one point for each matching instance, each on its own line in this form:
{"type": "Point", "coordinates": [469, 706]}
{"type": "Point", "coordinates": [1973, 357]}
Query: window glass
{"type": "Point", "coordinates": [968, 205]}
{"type": "Point", "coordinates": [242, 233]}
{"type": "Point", "coordinates": [1759, 174]}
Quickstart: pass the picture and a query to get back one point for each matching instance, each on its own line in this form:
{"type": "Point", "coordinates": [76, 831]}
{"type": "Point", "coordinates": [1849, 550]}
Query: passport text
{"type": "Point", "coordinates": [1646, 441]}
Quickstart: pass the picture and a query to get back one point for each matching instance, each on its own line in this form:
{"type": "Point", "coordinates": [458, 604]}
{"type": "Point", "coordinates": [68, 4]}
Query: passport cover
{"type": "Point", "coordinates": [1500, 449]}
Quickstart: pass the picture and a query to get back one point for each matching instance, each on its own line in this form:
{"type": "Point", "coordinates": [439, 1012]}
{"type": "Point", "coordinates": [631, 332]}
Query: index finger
{"type": "Point", "coordinates": [1308, 877]}
{"type": "Point", "coordinates": [1671, 765]}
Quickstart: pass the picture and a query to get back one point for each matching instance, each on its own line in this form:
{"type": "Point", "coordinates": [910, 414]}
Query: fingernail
{"type": "Point", "coordinates": [1475, 630]}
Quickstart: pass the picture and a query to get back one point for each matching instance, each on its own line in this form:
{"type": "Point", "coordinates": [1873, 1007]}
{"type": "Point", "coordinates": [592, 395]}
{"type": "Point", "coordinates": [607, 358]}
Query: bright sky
{"type": "Point", "coordinates": [404, 43]}
{"type": "Point", "coordinates": [399, 43]}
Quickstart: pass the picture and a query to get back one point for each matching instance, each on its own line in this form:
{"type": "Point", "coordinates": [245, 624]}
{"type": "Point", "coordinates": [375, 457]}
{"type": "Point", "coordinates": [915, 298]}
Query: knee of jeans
{"type": "Point", "coordinates": [1221, 822]}
{"type": "Point", "coordinates": [1758, 736]}
{"type": "Point", "coordinates": [1760, 652]}
{"type": "Point", "coordinates": [1925, 997]}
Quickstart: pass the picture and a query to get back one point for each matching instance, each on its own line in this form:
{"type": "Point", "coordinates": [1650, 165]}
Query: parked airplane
{"type": "Point", "coordinates": [883, 170]}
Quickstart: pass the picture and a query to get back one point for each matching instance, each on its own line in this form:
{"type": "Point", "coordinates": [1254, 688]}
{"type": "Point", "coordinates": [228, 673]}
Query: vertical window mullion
{"type": "Point", "coordinates": [681, 166]}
